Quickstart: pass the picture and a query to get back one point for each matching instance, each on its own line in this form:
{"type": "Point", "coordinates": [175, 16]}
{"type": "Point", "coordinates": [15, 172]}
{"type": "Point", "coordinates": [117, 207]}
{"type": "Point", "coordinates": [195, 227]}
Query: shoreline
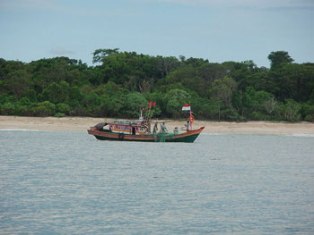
{"type": "Point", "coordinates": [211, 127]}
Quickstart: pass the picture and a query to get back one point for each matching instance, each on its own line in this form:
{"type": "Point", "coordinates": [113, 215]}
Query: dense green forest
{"type": "Point", "coordinates": [120, 83]}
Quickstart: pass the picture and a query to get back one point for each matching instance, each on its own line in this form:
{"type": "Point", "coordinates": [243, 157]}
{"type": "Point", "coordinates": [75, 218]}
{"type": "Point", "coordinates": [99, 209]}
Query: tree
{"type": "Point", "coordinates": [99, 55]}
{"type": "Point", "coordinates": [120, 82]}
{"type": "Point", "coordinates": [112, 99]}
{"type": "Point", "coordinates": [133, 103]}
{"type": "Point", "coordinates": [270, 105]}
{"type": "Point", "coordinates": [63, 109]}
{"type": "Point", "coordinates": [175, 98]}
{"type": "Point", "coordinates": [307, 112]}
{"type": "Point", "coordinates": [43, 109]}
{"type": "Point", "coordinates": [8, 108]}
{"type": "Point", "coordinates": [189, 78]}
{"type": "Point", "coordinates": [57, 92]}
{"type": "Point", "coordinates": [165, 65]}
{"type": "Point", "coordinates": [290, 111]}
{"type": "Point", "coordinates": [17, 82]}
{"type": "Point", "coordinates": [258, 105]}
{"type": "Point", "coordinates": [223, 90]}
{"type": "Point", "coordinates": [279, 58]}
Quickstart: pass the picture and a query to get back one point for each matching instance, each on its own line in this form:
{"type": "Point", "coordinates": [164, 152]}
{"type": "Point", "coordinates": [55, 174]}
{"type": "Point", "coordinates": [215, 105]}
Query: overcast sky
{"type": "Point", "coordinates": [217, 30]}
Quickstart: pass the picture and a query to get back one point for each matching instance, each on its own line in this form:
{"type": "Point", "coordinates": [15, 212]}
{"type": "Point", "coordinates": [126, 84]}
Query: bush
{"type": "Point", "coordinates": [44, 109]}
{"type": "Point", "coordinates": [309, 118]}
{"type": "Point", "coordinates": [175, 98]}
{"type": "Point", "coordinates": [59, 115]}
{"type": "Point", "coordinates": [134, 101]}
{"type": "Point", "coordinates": [307, 112]}
{"type": "Point", "coordinates": [290, 111]}
{"type": "Point", "coordinates": [259, 116]}
{"type": "Point", "coordinates": [230, 114]}
{"type": "Point", "coordinates": [8, 108]}
{"type": "Point", "coordinates": [63, 108]}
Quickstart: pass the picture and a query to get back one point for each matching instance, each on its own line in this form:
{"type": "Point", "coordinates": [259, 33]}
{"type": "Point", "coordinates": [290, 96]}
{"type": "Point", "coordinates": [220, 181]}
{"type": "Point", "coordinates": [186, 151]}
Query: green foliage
{"type": "Point", "coordinates": [44, 109]}
{"type": "Point", "coordinates": [16, 82]}
{"type": "Point", "coordinates": [307, 112]}
{"type": "Point", "coordinates": [112, 99]}
{"type": "Point", "coordinates": [189, 77]}
{"type": "Point", "coordinates": [222, 90]}
{"type": "Point", "coordinates": [258, 105]}
{"type": "Point", "coordinates": [133, 103]}
{"type": "Point", "coordinates": [174, 100]}
{"type": "Point", "coordinates": [100, 55]}
{"type": "Point", "coordinates": [290, 111]}
{"type": "Point", "coordinates": [57, 92]}
{"type": "Point", "coordinates": [63, 108]}
{"type": "Point", "coordinates": [279, 58]}
{"type": "Point", "coordinates": [122, 82]}
{"type": "Point", "coordinates": [8, 108]}
{"type": "Point", "coordinates": [212, 110]}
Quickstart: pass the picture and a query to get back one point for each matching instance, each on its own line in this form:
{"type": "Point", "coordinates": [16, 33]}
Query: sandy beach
{"type": "Point", "coordinates": [83, 123]}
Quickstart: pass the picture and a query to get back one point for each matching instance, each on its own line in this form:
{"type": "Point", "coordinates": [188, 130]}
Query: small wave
{"type": "Point", "coordinates": [206, 133]}
{"type": "Point", "coordinates": [13, 129]}
{"type": "Point", "coordinates": [262, 134]}
{"type": "Point", "coordinates": [301, 135]}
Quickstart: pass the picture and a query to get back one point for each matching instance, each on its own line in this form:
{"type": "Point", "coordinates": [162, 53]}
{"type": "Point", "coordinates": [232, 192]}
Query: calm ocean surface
{"type": "Point", "coordinates": [70, 183]}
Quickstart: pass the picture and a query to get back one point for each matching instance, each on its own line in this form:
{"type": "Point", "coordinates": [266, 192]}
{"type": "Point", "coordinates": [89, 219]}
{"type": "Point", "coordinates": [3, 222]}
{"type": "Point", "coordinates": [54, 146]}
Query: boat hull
{"type": "Point", "coordinates": [186, 137]}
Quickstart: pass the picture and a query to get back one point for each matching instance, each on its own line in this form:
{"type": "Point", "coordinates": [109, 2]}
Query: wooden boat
{"type": "Point", "coordinates": [187, 137]}
{"type": "Point", "coordinates": [140, 130]}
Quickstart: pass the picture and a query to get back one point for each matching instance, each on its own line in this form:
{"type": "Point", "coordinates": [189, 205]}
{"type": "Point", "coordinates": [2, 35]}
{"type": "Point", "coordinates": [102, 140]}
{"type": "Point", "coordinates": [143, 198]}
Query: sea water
{"type": "Point", "coordinates": [70, 183]}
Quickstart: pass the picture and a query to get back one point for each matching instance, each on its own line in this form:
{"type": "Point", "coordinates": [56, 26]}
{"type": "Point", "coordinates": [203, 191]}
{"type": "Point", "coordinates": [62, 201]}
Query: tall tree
{"type": "Point", "coordinates": [279, 58]}
{"type": "Point", "coordinates": [100, 54]}
{"type": "Point", "coordinates": [223, 90]}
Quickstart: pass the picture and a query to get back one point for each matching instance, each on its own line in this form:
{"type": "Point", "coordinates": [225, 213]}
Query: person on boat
{"type": "Point", "coordinates": [155, 129]}
{"type": "Point", "coordinates": [163, 128]}
{"type": "Point", "coordinates": [176, 130]}
{"type": "Point", "coordinates": [133, 130]}
{"type": "Point", "coordinates": [187, 125]}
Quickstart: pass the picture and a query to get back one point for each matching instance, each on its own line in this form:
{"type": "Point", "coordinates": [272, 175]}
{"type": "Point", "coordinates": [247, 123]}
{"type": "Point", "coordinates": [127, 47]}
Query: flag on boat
{"type": "Point", "coordinates": [191, 118]}
{"type": "Point", "coordinates": [151, 104]}
{"type": "Point", "coordinates": [186, 107]}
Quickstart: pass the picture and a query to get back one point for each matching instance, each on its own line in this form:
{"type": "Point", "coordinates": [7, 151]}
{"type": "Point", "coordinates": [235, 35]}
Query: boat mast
{"type": "Point", "coordinates": [187, 107]}
{"type": "Point", "coordinates": [191, 119]}
{"type": "Point", "coordinates": [149, 113]}
{"type": "Point", "coordinates": [141, 118]}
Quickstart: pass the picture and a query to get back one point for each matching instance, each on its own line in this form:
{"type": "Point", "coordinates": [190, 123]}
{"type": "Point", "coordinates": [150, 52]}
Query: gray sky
{"type": "Point", "coordinates": [217, 30]}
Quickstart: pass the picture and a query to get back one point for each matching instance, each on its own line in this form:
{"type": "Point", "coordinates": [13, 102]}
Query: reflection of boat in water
{"type": "Point", "coordinates": [140, 130]}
